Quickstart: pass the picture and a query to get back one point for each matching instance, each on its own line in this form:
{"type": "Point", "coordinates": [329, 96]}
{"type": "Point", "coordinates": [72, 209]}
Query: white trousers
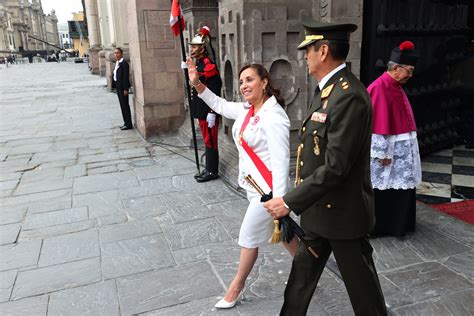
{"type": "Point", "coordinates": [257, 226]}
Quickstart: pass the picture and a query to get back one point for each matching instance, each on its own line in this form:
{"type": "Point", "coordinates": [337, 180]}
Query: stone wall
{"type": "Point", "coordinates": [155, 55]}
{"type": "Point", "coordinates": [268, 32]}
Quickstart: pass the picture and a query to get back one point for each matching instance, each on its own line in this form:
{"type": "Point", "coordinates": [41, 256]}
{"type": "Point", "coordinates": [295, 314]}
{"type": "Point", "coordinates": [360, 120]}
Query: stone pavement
{"type": "Point", "coordinates": [96, 221]}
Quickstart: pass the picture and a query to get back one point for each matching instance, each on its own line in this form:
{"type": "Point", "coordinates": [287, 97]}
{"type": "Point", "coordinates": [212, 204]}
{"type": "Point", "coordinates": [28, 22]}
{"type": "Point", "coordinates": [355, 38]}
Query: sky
{"type": "Point", "coordinates": [63, 8]}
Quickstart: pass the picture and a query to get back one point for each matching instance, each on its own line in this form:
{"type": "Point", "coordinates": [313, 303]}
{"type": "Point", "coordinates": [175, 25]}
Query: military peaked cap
{"type": "Point", "coordinates": [315, 31]}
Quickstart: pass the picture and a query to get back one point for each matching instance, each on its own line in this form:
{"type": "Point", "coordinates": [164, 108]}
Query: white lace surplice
{"type": "Point", "coordinates": [404, 172]}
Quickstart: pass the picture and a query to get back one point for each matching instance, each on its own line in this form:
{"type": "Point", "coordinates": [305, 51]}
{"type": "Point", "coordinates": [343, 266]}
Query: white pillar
{"type": "Point", "coordinates": [111, 22]}
{"type": "Point", "coordinates": [119, 14]}
{"type": "Point", "coordinates": [92, 23]}
{"type": "Point", "coordinates": [104, 23]}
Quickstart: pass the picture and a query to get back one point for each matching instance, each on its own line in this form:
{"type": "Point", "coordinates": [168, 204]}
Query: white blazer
{"type": "Point", "coordinates": [268, 134]}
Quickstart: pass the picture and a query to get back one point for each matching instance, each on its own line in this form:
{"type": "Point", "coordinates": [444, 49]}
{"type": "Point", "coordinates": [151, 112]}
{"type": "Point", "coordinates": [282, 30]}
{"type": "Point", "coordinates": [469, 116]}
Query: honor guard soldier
{"type": "Point", "coordinates": [200, 49]}
{"type": "Point", "coordinates": [333, 193]}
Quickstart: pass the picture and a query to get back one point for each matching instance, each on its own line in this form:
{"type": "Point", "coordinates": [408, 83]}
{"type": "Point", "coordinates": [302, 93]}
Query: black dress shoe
{"type": "Point", "coordinates": [208, 176]}
{"type": "Point", "coordinates": [198, 175]}
{"type": "Point", "coordinates": [125, 127]}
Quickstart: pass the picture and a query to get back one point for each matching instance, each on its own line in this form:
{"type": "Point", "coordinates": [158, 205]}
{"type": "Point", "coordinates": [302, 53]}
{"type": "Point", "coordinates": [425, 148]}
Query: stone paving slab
{"type": "Point", "coordinates": [447, 225]}
{"type": "Point", "coordinates": [57, 230]}
{"type": "Point", "coordinates": [42, 186]}
{"type": "Point", "coordinates": [189, 234]}
{"type": "Point", "coordinates": [388, 259]}
{"type": "Point", "coordinates": [230, 214]}
{"type": "Point", "coordinates": [190, 207]}
{"type": "Point", "coordinates": [103, 170]}
{"type": "Point", "coordinates": [94, 299]}
{"type": "Point", "coordinates": [394, 297]}
{"type": "Point", "coordinates": [100, 204]}
{"type": "Point", "coordinates": [166, 287]}
{"type": "Point", "coordinates": [100, 157]}
{"type": "Point", "coordinates": [19, 255]}
{"type": "Point", "coordinates": [42, 201]}
{"type": "Point", "coordinates": [459, 303]}
{"type": "Point", "coordinates": [427, 280]}
{"type": "Point", "coordinates": [58, 277]}
{"type": "Point", "coordinates": [50, 156]}
{"type": "Point", "coordinates": [129, 256]}
{"type": "Point", "coordinates": [42, 174]}
{"type": "Point", "coordinates": [9, 176]}
{"type": "Point", "coordinates": [8, 185]}
{"type": "Point", "coordinates": [7, 279]}
{"type": "Point", "coordinates": [203, 306]}
{"type": "Point", "coordinates": [9, 233]}
{"type": "Point", "coordinates": [37, 305]}
{"type": "Point", "coordinates": [75, 171]}
{"type": "Point", "coordinates": [128, 230]}
{"type": "Point", "coordinates": [12, 214]}
{"type": "Point", "coordinates": [52, 218]}
{"type": "Point", "coordinates": [462, 263]}
{"type": "Point", "coordinates": [430, 244]}
{"type": "Point", "coordinates": [143, 207]}
{"type": "Point", "coordinates": [104, 182]}
{"type": "Point", "coordinates": [69, 247]}
{"type": "Point", "coordinates": [148, 187]}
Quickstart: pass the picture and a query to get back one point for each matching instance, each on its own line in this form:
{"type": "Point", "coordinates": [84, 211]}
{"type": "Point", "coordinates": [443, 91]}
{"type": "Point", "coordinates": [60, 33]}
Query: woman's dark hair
{"type": "Point", "coordinates": [263, 74]}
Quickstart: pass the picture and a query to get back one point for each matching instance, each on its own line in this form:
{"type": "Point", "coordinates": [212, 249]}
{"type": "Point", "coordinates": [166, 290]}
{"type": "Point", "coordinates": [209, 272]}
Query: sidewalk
{"type": "Point", "coordinates": [96, 221]}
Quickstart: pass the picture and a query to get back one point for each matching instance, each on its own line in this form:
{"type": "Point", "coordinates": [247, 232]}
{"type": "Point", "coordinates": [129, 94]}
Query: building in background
{"type": "Point", "coordinates": [25, 30]}
{"type": "Point", "coordinates": [65, 40]}
{"type": "Point", "coordinates": [78, 33]}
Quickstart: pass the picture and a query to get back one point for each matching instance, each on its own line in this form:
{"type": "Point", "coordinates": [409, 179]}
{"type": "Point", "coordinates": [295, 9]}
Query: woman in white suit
{"type": "Point", "coordinates": [261, 123]}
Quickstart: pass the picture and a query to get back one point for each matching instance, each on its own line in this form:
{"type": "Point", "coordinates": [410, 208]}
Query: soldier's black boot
{"type": "Point", "coordinates": [197, 175]}
{"type": "Point", "coordinates": [212, 166]}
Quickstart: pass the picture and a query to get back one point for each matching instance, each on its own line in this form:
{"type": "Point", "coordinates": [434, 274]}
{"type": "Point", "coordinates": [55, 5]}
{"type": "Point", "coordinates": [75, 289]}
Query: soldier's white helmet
{"type": "Point", "coordinates": [201, 38]}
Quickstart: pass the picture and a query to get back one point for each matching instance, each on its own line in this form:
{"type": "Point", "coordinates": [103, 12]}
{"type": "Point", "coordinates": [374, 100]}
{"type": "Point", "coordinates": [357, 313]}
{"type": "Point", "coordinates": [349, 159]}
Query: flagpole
{"type": "Point", "coordinates": [188, 92]}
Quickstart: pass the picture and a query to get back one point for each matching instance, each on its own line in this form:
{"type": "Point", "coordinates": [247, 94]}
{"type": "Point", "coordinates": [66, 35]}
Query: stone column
{"type": "Point", "coordinates": [103, 20]}
{"type": "Point", "coordinates": [94, 35]}
{"type": "Point", "coordinates": [111, 21]}
{"type": "Point", "coordinates": [105, 35]}
{"type": "Point", "coordinates": [117, 11]}
{"type": "Point", "coordinates": [155, 55]}
{"type": "Point", "coordinates": [119, 16]}
{"type": "Point", "coordinates": [102, 63]}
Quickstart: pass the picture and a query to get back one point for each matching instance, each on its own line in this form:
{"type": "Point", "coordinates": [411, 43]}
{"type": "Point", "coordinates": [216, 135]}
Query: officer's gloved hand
{"type": "Point", "coordinates": [211, 120]}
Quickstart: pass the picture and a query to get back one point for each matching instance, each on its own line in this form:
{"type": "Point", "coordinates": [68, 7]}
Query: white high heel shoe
{"type": "Point", "coordinates": [223, 304]}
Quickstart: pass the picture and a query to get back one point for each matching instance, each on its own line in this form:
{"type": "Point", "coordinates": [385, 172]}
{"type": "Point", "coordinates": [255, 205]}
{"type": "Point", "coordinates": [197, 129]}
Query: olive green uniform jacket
{"type": "Point", "coordinates": [334, 196]}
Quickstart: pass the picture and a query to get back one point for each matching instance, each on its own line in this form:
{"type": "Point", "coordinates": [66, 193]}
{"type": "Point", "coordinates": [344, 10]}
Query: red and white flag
{"type": "Point", "coordinates": [175, 13]}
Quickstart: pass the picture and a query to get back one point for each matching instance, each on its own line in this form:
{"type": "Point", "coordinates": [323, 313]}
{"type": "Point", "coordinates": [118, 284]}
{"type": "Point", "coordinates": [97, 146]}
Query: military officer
{"type": "Point", "coordinates": [333, 192]}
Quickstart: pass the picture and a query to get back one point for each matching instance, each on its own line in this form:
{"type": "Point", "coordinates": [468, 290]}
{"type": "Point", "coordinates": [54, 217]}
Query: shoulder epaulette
{"type": "Point", "coordinates": [327, 91]}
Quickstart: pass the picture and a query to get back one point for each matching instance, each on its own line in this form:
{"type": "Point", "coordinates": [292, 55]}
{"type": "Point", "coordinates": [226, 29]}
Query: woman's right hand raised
{"type": "Point", "coordinates": [192, 70]}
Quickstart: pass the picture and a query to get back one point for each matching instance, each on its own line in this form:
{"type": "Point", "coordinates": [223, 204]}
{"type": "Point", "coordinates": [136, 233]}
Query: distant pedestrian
{"type": "Point", "coordinates": [395, 159]}
{"type": "Point", "coordinates": [121, 82]}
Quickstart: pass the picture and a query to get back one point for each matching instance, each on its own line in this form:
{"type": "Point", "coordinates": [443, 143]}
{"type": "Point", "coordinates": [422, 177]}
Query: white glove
{"type": "Point", "coordinates": [211, 120]}
{"type": "Point", "coordinates": [184, 65]}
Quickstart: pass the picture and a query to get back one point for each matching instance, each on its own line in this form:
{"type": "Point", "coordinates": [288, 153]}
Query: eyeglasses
{"type": "Point", "coordinates": [408, 70]}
